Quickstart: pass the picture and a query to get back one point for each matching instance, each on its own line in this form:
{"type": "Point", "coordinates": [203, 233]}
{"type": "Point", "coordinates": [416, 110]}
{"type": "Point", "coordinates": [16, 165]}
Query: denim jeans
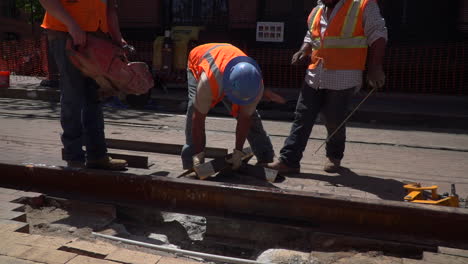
{"type": "Point", "coordinates": [81, 111]}
{"type": "Point", "coordinates": [258, 138]}
{"type": "Point", "coordinates": [333, 106]}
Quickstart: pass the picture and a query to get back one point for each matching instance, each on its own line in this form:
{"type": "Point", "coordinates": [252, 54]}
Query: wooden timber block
{"type": "Point", "coordinates": [156, 147]}
{"type": "Point", "coordinates": [134, 161]}
{"type": "Point", "coordinates": [210, 168]}
{"type": "Point", "coordinates": [453, 251]}
{"type": "Point", "coordinates": [443, 259]}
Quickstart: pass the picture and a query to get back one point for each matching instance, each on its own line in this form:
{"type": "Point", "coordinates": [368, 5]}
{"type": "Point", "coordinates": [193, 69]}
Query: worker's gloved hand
{"type": "Point", "coordinates": [198, 159]}
{"type": "Point", "coordinates": [375, 77]}
{"type": "Point", "coordinates": [236, 159]}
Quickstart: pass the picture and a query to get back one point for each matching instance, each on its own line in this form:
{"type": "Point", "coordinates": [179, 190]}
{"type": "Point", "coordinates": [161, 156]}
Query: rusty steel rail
{"type": "Point", "coordinates": [397, 221]}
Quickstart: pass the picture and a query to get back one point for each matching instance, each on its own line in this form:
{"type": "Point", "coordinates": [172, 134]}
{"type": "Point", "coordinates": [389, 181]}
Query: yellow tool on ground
{"type": "Point", "coordinates": [416, 194]}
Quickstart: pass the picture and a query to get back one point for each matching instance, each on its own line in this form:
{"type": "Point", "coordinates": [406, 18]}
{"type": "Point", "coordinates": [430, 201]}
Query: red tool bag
{"type": "Point", "coordinates": [108, 65]}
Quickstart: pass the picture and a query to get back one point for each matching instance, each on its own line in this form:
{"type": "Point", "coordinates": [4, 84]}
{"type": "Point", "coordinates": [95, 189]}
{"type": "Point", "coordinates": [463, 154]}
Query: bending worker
{"type": "Point", "coordinates": [221, 72]}
{"type": "Point", "coordinates": [340, 32]}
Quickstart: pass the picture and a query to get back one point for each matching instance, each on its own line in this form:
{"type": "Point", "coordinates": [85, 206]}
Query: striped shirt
{"type": "Point", "coordinates": [374, 28]}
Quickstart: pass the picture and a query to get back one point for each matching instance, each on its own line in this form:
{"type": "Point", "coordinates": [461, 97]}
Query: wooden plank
{"type": "Point", "coordinates": [164, 148]}
{"type": "Point", "coordinates": [133, 161]}
{"type": "Point", "coordinates": [454, 252]}
{"type": "Point", "coordinates": [412, 261]}
{"type": "Point", "coordinates": [443, 259]}
{"type": "Point", "coordinates": [209, 169]}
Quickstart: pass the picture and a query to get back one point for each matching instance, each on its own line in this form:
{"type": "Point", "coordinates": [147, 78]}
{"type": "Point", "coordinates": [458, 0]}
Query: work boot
{"type": "Point", "coordinates": [332, 165]}
{"type": "Point", "coordinates": [107, 163]}
{"type": "Point", "coordinates": [282, 168]}
{"type": "Point", "coordinates": [75, 164]}
{"type": "Point", "coordinates": [263, 163]}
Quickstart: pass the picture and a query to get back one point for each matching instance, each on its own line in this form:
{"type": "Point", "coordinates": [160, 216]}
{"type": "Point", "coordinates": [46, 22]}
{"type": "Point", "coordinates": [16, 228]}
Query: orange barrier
{"type": "Point", "coordinates": [24, 57]}
{"type": "Point", "coordinates": [422, 68]}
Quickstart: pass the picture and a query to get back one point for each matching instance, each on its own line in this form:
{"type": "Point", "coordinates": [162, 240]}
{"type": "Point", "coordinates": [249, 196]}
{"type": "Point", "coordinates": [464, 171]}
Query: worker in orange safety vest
{"type": "Point", "coordinates": [220, 72]}
{"type": "Point", "coordinates": [81, 111]}
{"type": "Point", "coordinates": [342, 36]}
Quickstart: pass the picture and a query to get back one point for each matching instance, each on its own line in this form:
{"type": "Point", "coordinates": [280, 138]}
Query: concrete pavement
{"type": "Point", "coordinates": [18, 246]}
{"type": "Point", "coordinates": [411, 110]}
{"type": "Point", "coordinates": [378, 160]}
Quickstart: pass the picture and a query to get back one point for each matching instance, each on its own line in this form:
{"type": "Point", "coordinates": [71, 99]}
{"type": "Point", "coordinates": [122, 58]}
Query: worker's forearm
{"type": "Point", "coordinates": [306, 48]}
{"type": "Point", "coordinates": [198, 131]}
{"type": "Point", "coordinates": [377, 53]}
{"type": "Point", "coordinates": [113, 21]}
{"type": "Point", "coordinates": [242, 130]}
{"type": "Point", "coordinates": [56, 9]}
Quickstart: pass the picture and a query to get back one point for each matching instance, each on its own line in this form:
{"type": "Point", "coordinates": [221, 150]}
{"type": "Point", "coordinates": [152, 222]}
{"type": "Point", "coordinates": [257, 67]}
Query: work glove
{"type": "Point", "coordinates": [198, 159]}
{"type": "Point", "coordinates": [375, 77]}
{"type": "Point", "coordinates": [236, 159]}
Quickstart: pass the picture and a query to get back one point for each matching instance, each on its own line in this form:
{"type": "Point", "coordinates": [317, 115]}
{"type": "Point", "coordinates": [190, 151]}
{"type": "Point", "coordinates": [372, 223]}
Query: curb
{"type": "Point", "coordinates": [171, 103]}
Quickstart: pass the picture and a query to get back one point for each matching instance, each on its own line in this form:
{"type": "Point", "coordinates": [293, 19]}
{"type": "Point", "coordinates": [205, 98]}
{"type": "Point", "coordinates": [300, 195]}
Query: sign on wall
{"type": "Point", "coordinates": [270, 31]}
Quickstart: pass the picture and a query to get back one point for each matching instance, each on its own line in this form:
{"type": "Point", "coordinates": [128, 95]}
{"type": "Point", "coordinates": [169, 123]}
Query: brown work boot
{"type": "Point", "coordinates": [282, 168]}
{"type": "Point", "coordinates": [263, 163]}
{"type": "Point", "coordinates": [107, 163]}
{"type": "Point", "coordinates": [75, 164]}
{"type": "Point", "coordinates": [332, 165]}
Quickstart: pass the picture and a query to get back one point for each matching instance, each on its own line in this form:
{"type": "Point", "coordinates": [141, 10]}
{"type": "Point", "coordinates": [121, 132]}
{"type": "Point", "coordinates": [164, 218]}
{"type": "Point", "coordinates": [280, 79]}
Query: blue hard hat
{"type": "Point", "coordinates": [242, 80]}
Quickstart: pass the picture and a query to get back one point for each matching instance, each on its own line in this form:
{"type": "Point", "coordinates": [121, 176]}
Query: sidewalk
{"type": "Point", "coordinates": [19, 246]}
{"type": "Point", "coordinates": [424, 111]}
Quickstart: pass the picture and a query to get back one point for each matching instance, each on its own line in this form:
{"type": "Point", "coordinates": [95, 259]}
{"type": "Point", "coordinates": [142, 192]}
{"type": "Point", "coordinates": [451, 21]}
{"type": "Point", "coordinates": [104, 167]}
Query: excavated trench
{"type": "Point", "coordinates": [227, 236]}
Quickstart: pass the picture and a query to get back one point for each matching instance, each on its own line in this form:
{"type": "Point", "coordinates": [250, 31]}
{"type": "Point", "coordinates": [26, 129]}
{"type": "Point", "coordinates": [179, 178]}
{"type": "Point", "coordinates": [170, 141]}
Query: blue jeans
{"type": "Point", "coordinates": [81, 112]}
{"type": "Point", "coordinates": [258, 138]}
{"type": "Point", "coordinates": [333, 105]}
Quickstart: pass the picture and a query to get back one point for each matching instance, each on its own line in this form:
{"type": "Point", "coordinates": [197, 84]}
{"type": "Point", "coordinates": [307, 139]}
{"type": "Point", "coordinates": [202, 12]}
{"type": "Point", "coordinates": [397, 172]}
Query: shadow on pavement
{"type": "Point", "coordinates": [386, 189]}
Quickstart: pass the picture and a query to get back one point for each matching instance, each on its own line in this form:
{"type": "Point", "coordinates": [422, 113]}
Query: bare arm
{"type": "Point", "coordinates": [113, 23]}
{"type": "Point", "coordinates": [304, 51]}
{"type": "Point", "coordinates": [376, 33]}
{"type": "Point", "coordinates": [198, 130]}
{"type": "Point", "coordinates": [377, 53]}
{"type": "Point", "coordinates": [56, 9]}
{"type": "Point", "coordinates": [242, 129]}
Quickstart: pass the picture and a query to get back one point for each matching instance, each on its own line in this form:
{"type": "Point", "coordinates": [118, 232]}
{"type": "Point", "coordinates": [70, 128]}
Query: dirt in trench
{"type": "Point", "coordinates": [78, 220]}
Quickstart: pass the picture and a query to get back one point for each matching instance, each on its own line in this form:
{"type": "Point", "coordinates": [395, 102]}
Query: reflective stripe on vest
{"type": "Point", "coordinates": [215, 70]}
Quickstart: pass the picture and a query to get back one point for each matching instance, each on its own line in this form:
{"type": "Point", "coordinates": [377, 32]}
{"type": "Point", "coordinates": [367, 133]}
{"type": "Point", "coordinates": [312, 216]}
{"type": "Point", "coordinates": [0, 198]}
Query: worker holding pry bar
{"type": "Point", "coordinates": [220, 72]}
{"type": "Point", "coordinates": [340, 32]}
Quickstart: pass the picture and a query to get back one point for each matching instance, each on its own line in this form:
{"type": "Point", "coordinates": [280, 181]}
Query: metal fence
{"type": "Point", "coordinates": [423, 68]}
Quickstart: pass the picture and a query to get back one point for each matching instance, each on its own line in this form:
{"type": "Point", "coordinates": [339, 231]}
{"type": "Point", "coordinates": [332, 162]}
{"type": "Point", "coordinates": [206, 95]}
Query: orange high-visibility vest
{"type": "Point", "coordinates": [91, 15]}
{"type": "Point", "coordinates": [343, 45]}
{"type": "Point", "coordinates": [212, 59]}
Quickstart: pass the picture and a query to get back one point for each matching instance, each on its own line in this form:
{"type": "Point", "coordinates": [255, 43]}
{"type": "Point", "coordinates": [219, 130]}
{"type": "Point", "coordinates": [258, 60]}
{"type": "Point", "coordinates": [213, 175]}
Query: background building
{"type": "Point", "coordinates": [427, 49]}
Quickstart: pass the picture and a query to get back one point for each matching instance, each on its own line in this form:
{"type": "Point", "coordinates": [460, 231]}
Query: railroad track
{"type": "Point", "coordinates": [158, 126]}
{"type": "Point", "coordinates": [417, 226]}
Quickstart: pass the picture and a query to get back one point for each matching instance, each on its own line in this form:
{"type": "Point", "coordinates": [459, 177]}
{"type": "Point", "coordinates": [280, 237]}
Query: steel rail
{"type": "Point", "coordinates": [213, 257]}
{"type": "Point", "coordinates": [397, 221]}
